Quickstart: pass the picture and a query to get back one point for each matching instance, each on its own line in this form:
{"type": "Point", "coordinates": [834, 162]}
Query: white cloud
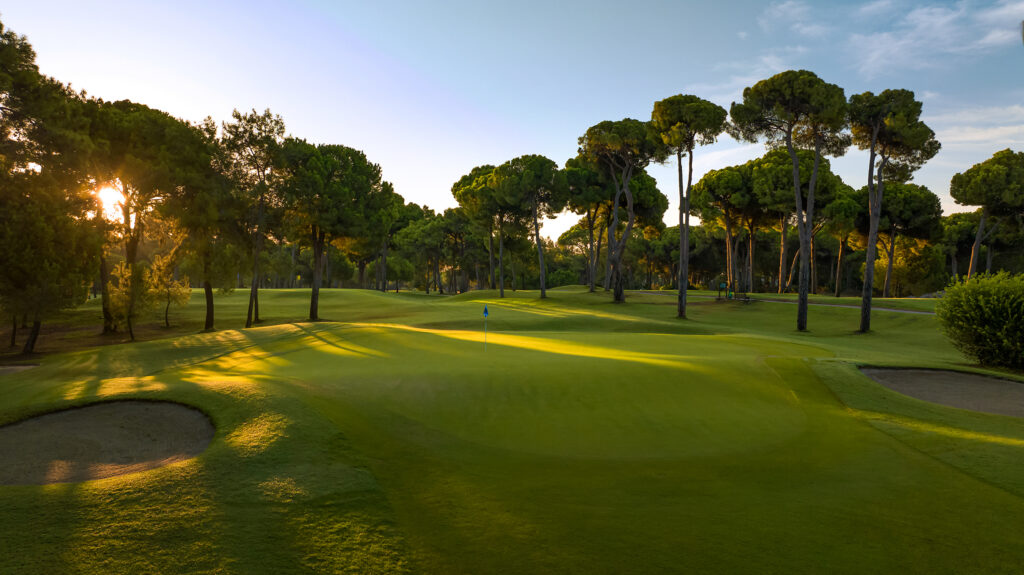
{"type": "Point", "coordinates": [993, 136]}
{"type": "Point", "coordinates": [794, 15]}
{"type": "Point", "coordinates": [981, 116]}
{"type": "Point", "coordinates": [995, 126]}
{"type": "Point", "coordinates": [876, 8]}
{"type": "Point", "coordinates": [929, 35]}
{"type": "Point", "coordinates": [742, 35]}
{"type": "Point", "coordinates": [745, 73]}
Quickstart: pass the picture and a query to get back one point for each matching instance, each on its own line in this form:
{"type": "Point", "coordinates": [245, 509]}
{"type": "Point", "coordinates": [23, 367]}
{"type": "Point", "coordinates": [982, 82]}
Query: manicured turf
{"type": "Point", "coordinates": [589, 438]}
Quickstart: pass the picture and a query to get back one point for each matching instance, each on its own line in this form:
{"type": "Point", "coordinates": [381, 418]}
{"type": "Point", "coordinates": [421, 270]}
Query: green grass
{"type": "Point", "coordinates": [589, 438]}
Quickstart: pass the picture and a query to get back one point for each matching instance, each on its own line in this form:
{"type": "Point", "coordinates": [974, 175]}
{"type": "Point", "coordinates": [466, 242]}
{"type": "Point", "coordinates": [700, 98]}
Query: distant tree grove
{"type": "Point", "coordinates": [244, 205]}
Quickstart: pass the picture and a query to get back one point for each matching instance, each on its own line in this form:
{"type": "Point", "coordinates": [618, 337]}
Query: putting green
{"type": "Point", "coordinates": [588, 438]}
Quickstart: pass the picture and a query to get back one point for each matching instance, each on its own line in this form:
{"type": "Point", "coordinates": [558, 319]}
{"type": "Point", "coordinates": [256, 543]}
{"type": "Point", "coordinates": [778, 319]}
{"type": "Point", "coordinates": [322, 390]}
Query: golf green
{"type": "Point", "coordinates": [588, 438]}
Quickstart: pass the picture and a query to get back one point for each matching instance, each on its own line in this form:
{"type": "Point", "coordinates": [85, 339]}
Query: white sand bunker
{"type": "Point", "coordinates": [101, 440]}
{"type": "Point", "coordinates": [955, 389]}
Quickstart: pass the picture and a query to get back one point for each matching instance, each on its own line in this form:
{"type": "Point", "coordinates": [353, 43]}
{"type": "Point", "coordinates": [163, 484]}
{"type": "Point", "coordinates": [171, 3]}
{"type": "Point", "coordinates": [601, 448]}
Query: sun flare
{"type": "Point", "coordinates": [111, 199]}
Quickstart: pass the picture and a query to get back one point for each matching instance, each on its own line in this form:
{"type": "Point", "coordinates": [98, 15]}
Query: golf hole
{"type": "Point", "coordinates": [954, 389]}
{"type": "Point", "coordinates": [101, 440]}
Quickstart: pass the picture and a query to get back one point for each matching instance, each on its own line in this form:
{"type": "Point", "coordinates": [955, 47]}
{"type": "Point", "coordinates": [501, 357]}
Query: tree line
{"type": "Point", "coordinates": [244, 204]}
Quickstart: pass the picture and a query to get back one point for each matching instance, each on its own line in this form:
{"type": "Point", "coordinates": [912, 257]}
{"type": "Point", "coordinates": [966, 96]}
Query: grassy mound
{"type": "Point", "coordinates": [588, 438]}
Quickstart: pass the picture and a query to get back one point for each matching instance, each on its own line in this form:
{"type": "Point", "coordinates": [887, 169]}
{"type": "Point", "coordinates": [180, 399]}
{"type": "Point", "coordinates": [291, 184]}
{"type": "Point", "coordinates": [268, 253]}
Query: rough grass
{"type": "Point", "coordinates": [589, 438]}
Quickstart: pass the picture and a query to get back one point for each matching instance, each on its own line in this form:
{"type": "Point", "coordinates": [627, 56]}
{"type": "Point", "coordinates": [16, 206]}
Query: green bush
{"type": "Point", "coordinates": [984, 318]}
{"type": "Point", "coordinates": [562, 277]}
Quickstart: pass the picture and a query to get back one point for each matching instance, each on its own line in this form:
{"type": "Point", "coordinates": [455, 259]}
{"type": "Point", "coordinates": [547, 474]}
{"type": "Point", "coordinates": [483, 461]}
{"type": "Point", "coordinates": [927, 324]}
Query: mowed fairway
{"type": "Point", "coordinates": [588, 438]}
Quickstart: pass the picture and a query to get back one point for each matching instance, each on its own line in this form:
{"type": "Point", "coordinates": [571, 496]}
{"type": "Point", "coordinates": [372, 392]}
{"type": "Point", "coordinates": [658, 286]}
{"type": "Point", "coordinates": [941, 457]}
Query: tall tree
{"type": "Point", "coordinates": [910, 211]}
{"type": "Point", "coordinates": [145, 154]}
{"type": "Point", "coordinates": [588, 191]}
{"type": "Point", "coordinates": [536, 184]}
{"type": "Point", "coordinates": [888, 125]}
{"type": "Point", "coordinates": [796, 108]}
{"type": "Point", "coordinates": [253, 142]}
{"type": "Point", "coordinates": [682, 122]}
{"type": "Point", "coordinates": [997, 185]}
{"type": "Point", "coordinates": [773, 179]}
{"type": "Point", "coordinates": [204, 209]}
{"type": "Point", "coordinates": [326, 188]}
{"type": "Point", "coordinates": [843, 213]}
{"type": "Point", "coordinates": [621, 149]}
{"type": "Point", "coordinates": [473, 192]}
{"type": "Point", "coordinates": [958, 235]}
{"type": "Point", "coordinates": [723, 195]}
{"type": "Point", "coordinates": [48, 242]}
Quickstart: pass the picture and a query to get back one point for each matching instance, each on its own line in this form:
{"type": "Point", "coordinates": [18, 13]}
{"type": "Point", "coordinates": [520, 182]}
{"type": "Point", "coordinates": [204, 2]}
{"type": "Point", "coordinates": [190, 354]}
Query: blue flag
{"type": "Point", "coordinates": [485, 310]}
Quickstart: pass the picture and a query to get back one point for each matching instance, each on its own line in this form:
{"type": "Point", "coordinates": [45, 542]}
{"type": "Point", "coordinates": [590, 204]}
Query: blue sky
{"type": "Point", "coordinates": [431, 89]}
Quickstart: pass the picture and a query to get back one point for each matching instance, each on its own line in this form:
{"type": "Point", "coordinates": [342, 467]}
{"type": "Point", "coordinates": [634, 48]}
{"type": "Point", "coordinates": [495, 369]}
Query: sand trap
{"type": "Point", "coordinates": [5, 369]}
{"type": "Point", "coordinates": [955, 389]}
{"type": "Point", "coordinates": [100, 440]}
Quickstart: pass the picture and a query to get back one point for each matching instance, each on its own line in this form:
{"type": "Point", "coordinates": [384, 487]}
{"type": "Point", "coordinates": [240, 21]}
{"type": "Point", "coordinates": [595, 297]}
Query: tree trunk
{"type": "Point", "coordinates": [804, 217]}
{"type": "Point", "coordinates": [591, 255]}
{"type": "Point", "coordinates": [976, 248]}
{"type": "Point", "coordinates": [608, 256]}
{"type": "Point", "coordinates": [108, 318]}
{"type": "Point", "coordinates": [465, 272]}
{"type": "Point", "coordinates": [14, 330]}
{"type": "Point", "coordinates": [988, 259]}
{"type": "Point", "coordinates": [437, 275]}
{"type": "Point", "coordinates": [501, 262]}
{"type": "Point", "coordinates": [490, 256]}
{"type": "Point", "coordinates": [33, 335]}
{"type": "Point", "coordinates": [384, 267]}
{"type": "Point", "coordinates": [317, 236]}
{"type": "Point", "coordinates": [684, 232]}
{"type": "Point", "coordinates": [875, 192]}
{"type": "Point", "coordinates": [250, 315]}
{"type": "Point", "coordinates": [540, 251]}
{"type": "Point", "coordinates": [730, 265]}
{"type": "Point", "coordinates": [208, 292]}
{"type": "Point", "coordinates": [782, 251]}
{"type": "Point", "coordinates": [888, 266]}
{"type": "Point", "coordinates": [291, 270]}
{"type": "Point", "coordinates": [792, 268]}
{"type": "Point", "coordinates": [814, 265]}
{"type": "Point", "coordinates": [839, 267]}
{"type": "Point", "coordinates": [751, 241]}
{"type": "Point", "coordinates": [953, 265]}
{"type": "Point", "coordinates": [327, 263]}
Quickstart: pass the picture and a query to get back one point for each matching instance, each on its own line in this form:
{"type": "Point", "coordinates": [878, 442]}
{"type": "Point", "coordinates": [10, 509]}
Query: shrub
{"type": "Point", "coordinates": [984, 318]}
{"type": "Point", "coordinates": [562, 277]}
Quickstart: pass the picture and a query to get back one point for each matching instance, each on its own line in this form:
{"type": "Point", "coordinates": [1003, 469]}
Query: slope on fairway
{"type": "Point", "coordinates": [588, 438]}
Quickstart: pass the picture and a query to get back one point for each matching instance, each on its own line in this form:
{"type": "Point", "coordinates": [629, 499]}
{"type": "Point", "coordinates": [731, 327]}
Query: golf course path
{"type": "Point", "coordinates": [6, 369]}
{"type": "Point", "coordinates": [954, 389]}
{"type": "Point", "coordinates": [873, 308]}
{"type": "Point", "coordinates": [101, 440]}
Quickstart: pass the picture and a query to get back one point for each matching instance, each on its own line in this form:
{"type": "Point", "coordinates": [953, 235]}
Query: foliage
{"type": "Point", "coordinates": [163, 287]}
{"type": "Point", "coordinates": [129, 293]}
{"type": "Point", "coordinates": [984, 318]}
{"type": "Point", "coordinates": [997, 184]}
{"type": "Point", "coordinates": [890, 124]}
